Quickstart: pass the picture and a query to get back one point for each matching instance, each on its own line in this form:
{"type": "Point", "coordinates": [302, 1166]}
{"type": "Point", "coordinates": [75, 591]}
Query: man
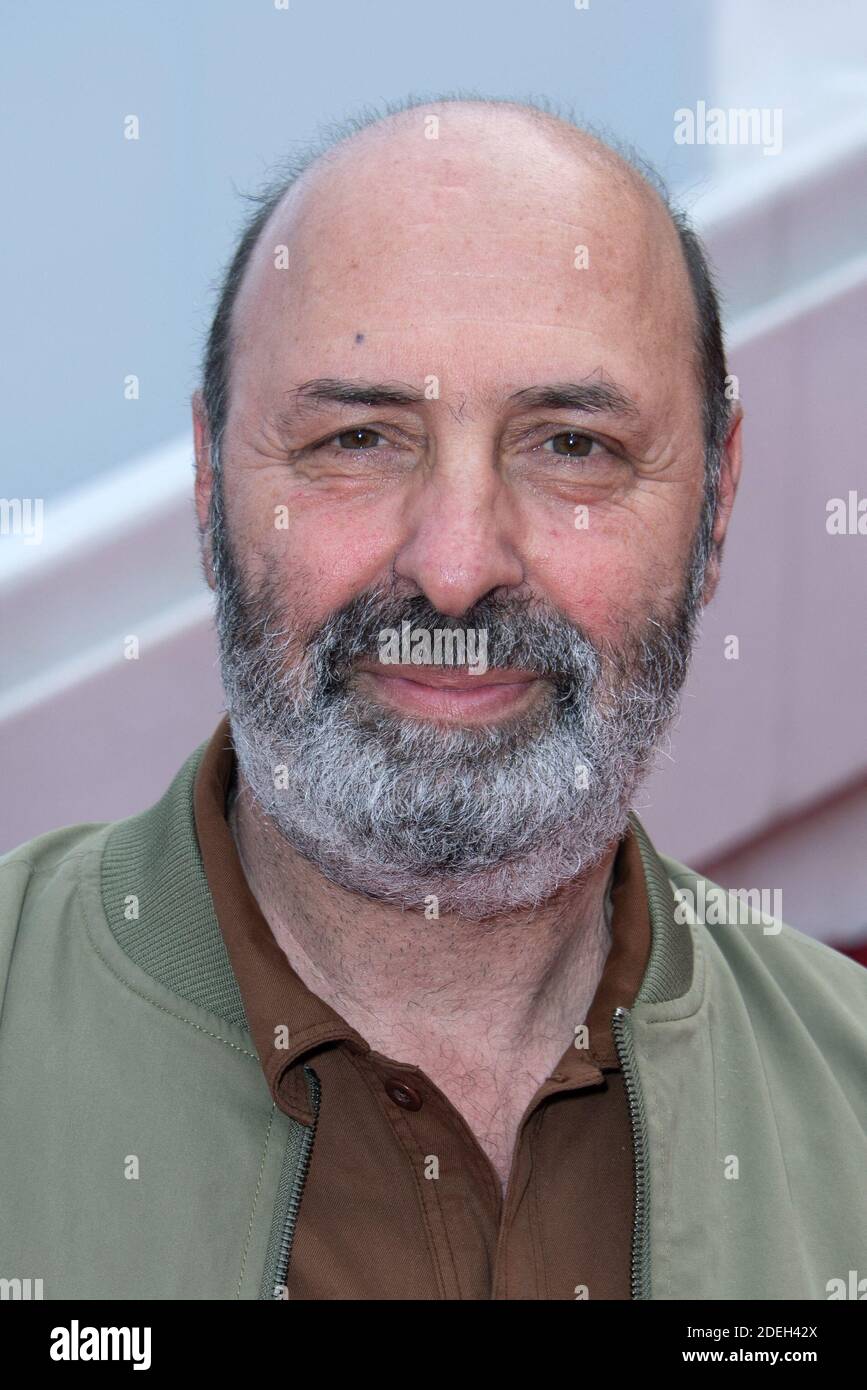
{"type": "Point", "coordinates": [391, 996]}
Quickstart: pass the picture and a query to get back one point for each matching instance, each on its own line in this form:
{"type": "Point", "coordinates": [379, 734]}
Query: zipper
{"type": "Point", "coordinates": [290, 1221]}
{"type": "Point", "coordinates": [621, 1028]}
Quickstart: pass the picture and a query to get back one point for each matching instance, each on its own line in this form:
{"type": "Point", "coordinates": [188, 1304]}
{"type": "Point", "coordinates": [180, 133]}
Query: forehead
{"type": "Point", "coordinates": [492, 254]}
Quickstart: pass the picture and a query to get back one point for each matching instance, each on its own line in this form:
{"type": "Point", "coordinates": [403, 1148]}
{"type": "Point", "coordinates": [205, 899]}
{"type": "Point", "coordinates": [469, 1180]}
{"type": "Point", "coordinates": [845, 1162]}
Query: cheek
{"type": "Point", "coordinates": [609, 564]}
{"type": "Point", "coordinates": [607, 588]}
{"type": "Point", "coordinates": [318, 560]}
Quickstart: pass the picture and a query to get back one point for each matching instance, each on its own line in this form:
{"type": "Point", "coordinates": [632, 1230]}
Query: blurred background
{"type": "Point", "coordinates": [113, 249]}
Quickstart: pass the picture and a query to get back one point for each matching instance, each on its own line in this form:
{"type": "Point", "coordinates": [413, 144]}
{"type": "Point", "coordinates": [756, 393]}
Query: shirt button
{"type": "Point", "coordinates": [404, 1095]}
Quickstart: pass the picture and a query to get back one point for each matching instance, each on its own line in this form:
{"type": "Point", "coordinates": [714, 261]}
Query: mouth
{"type": "Point", "coordinates": [454, 693]}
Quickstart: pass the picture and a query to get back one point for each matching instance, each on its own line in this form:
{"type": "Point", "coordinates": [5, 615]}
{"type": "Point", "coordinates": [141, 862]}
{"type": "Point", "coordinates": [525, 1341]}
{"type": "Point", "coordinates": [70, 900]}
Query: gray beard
{"type": "Point", "coordinates": [480, 820]}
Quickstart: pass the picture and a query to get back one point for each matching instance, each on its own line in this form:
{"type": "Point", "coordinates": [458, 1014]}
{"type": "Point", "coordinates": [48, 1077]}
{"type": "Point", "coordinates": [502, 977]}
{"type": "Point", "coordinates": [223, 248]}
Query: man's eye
{"type": "Point", "coordinates": [356, 439]}
{"type": "Point", "coordinates": [571, 444]}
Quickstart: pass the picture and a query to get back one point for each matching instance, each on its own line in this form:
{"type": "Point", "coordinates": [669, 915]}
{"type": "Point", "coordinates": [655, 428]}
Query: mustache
{"type": "Point", "coordinates": [519, 632]}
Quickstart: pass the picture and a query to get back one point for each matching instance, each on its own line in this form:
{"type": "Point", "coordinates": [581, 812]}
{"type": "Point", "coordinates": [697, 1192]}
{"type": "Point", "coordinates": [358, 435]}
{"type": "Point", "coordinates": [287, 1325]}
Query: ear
{"type": "Point", "coordinates": [204, 481]}
{"type": "Point", "coordinates": [730, 476]}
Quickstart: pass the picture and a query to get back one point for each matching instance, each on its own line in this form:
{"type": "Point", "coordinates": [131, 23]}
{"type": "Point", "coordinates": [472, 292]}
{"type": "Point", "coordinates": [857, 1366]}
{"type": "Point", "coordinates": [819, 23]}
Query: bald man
{"type": "Point", "coordinates": [391, 996]}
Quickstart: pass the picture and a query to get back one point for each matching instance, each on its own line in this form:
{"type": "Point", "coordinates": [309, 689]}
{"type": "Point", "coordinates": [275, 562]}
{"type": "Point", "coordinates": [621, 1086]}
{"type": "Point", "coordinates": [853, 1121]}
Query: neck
{"type": "Point", "coordinates": [420, 990]}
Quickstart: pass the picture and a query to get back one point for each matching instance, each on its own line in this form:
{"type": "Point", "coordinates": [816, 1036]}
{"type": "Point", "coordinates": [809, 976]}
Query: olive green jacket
{"type": "Point", "coordinates": [142, 1156]}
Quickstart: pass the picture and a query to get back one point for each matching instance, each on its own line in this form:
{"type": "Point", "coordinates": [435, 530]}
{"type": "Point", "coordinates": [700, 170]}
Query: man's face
{"type": "Point", "coordinates": [472, 274]}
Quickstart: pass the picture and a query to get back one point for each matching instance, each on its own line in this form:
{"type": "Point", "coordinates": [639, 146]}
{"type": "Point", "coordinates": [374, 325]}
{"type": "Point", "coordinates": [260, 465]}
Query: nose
{"type": "Point", "coordinates": [462, 538]}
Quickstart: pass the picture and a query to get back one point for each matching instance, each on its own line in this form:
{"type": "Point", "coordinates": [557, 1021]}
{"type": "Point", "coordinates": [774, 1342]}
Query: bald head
{"type": "Point", "coordinates": [471, 164]}
{"type": "Point", "coordinates": [502, 181]}
{"type": "Point", "coordinates": [460, 214]}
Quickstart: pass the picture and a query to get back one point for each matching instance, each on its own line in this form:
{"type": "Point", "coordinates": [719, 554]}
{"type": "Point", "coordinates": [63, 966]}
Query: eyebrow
{"type": "Point", "coordinates": [591, 397]}
{"type": "Point", "coordinates": [588, 396]}
{"type": "Point", "coordinates": [333, 390]}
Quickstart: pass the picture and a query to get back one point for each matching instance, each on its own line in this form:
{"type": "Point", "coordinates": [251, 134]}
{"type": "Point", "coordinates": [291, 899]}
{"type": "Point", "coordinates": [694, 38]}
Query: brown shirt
{"type": "Point", "coordinates": [374, 1221]}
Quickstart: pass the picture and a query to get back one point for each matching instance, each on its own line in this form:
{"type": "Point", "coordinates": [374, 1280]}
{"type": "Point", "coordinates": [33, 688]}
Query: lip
{"type": "Point", "coordinates": [451, 695]}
